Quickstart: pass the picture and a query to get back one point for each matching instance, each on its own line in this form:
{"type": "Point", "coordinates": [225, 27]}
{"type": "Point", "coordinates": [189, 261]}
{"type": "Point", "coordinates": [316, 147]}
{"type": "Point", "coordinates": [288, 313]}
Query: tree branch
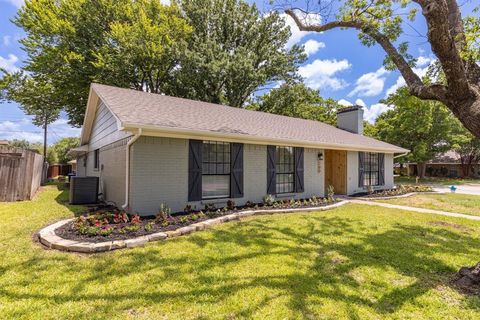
{"type": "Point", "coordinates": [444, 44]}
{"type": "Point", "coordinates": [415, 84]}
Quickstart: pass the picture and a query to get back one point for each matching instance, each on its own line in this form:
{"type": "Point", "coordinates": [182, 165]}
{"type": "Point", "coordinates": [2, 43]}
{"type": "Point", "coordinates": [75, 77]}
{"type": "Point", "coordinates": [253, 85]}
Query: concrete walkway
{"type": "Point", "coordinates": [421, 210]}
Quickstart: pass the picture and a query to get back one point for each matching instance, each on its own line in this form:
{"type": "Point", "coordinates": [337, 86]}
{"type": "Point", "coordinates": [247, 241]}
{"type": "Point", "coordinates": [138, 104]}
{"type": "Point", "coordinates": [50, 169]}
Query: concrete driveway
{"type": "Point", "coordinates": [465, 189]}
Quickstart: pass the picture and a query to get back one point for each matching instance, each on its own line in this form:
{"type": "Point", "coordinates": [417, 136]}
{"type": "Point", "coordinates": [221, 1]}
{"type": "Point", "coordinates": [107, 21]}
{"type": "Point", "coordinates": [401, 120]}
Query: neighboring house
{"type": "Point", "coordinates": [58, 169]}
{"type": "Point", "coordinates": [447, 164]}
{"type": "Point", "coordinates": [150, 149]}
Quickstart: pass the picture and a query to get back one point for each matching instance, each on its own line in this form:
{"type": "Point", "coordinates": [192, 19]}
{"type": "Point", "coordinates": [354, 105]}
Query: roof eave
{"type": "Point", "coordinates": [234, 137]}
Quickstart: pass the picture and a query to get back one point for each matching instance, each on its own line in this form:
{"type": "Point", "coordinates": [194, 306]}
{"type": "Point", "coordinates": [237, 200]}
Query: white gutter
{"type": "Point", "coordinates": [232, 137]}
{"type": "Point", "coordinates": [401, 155]}
{"type": "Point", "coordinates": [127, 166]}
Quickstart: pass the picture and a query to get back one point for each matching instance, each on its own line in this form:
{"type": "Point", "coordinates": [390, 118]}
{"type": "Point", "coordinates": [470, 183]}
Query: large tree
{"type": "Point", "coordinates": [453, 40]}
{"type": "Point", "coordinates": [212, 50]}
{"type": "Point", "coordinates": [299, 101]}
{"type": "Point", "coordinates": [234, 49]}
{"type": "Point", "coordinates": [35, 96]}
{"type": "Point", "coordinates": [425, 127]}
{"type": "Point", "coordinates": [62, 146]}
{"type": "Point", "coordinates": [127, 43]}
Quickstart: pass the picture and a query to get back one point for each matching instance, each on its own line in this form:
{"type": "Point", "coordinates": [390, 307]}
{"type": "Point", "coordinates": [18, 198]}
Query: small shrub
{"type": "Point", "coordinates": [105, 232]}
{"type": "Point", "coordinates": [249, 204]}
{"type": "Point", "coordinates": [231, 205]}
{"type": "Point", "coordinates": [92, 231]}
{"type": "Point", "coordinates": [135, 219]}
{"type": "Point", "coordinates": [149, 226]}
{"type": "Point", "coordinates": [268, 200]}
{"type": "Point", "coordinates": [194, 217]}
{"type": "Point", "coordinates": [188, 209]}
{"type": "Point", "coordinates": [210, 207]}
{"type": "Point", "coordinates": [183, 220]}
{"type": "Point", "coordinates": [330, 193]}
{"type": "Point", "coordinates": [120, 217]}
{"type": "Point", "coordinates": [163, 213]}
{"type": "Point", "coordinates": [132, 228]}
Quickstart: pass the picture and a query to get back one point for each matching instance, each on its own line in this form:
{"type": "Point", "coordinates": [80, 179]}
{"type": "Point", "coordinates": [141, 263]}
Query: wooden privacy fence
{"type": "Point", "coordinates": [20, 173]}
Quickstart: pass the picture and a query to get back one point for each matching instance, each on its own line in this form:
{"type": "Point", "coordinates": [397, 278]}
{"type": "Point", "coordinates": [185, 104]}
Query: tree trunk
{"type": "Point", "coordinates": [421, 166]}
{"type": "Point", "coordinates": [468, 112]}
{"type": "Point", "coordinates": [466, 168]}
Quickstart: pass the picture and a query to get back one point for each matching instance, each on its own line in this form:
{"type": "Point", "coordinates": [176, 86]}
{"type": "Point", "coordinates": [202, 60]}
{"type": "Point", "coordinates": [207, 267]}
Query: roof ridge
{"type": "Point", "coordinates": [217, 105]}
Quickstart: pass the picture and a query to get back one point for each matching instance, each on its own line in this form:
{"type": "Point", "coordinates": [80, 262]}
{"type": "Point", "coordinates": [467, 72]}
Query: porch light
{"type": "Point", "coordinates": [320, 156]}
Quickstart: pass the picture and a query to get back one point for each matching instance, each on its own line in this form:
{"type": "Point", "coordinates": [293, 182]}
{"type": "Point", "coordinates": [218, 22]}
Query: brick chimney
{"type": "Point", "coordinates": [351, 119]}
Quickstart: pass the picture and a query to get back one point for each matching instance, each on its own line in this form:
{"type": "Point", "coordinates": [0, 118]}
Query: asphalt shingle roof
{"type": "Point", "coordinates": [139, 109]}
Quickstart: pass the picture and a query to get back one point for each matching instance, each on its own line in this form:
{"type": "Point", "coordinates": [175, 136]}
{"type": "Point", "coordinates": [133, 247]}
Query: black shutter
{"type": "Point", "coordinates": [271, 177]}
{"type": "Point", "coordinates": [236, 172]}
{"type": "Point", "coordinates": [361, 169]}
{"type": "Point", "coordinates": [381, 169]}
{"type": "Point", "coordinates": [195, 170]}
{"type": "Point", "coordinates": [299, 160]}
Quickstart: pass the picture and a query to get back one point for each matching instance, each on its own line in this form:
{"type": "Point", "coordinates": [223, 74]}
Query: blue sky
{"type": "Point", "coordinates": [338, 65]}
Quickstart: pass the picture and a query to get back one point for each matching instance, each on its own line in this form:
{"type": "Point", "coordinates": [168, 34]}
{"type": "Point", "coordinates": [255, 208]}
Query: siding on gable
{"type": "Point", "coordinates": [159, 174]}
{"type": "Point", "coordinates": [104, 129]}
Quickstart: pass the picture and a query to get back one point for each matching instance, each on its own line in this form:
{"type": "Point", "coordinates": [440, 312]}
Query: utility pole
{"type": "Point", "coordinates": [45, 137]}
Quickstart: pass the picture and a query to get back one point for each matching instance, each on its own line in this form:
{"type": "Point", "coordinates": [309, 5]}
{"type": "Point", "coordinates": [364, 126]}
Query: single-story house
{"type": "Point", "coordinates": [447, 164]}
{"type": "Point", "coordinates": [148, 149]}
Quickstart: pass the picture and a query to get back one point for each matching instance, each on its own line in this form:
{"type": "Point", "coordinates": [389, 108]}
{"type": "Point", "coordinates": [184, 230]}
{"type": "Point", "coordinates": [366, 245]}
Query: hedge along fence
{"type": "Point", "coordinates": [20, 173]}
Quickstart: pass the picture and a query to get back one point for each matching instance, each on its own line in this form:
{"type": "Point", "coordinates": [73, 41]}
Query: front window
{"type": "Point", "coordinates": [215, 170]}
{"type": "Point", "coordinates": [371, 169]}
{"type": "Point", "coordinates": [285, 170]}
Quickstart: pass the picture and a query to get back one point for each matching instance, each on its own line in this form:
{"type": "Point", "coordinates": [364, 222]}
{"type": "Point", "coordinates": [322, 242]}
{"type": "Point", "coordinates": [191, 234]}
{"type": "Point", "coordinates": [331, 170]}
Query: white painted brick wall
{"type": "Point", "coordinates": [159, 174]}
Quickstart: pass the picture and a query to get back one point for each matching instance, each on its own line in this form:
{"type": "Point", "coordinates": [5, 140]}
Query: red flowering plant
{"type": "Point", "coordinates": [135, 219]}
{"type": "Point", "coordinates": [119, 217]}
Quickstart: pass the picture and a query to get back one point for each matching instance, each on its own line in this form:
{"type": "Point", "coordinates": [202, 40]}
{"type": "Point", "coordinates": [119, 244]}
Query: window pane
{"type": "Point", "coordinates": [216, 186]}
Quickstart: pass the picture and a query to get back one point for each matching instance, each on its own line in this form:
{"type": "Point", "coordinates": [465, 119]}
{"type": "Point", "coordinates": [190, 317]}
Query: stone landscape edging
{"type": "Point", "coordinates": [392, 197]}
{"type": "Point", "coordinates": [48, 237]}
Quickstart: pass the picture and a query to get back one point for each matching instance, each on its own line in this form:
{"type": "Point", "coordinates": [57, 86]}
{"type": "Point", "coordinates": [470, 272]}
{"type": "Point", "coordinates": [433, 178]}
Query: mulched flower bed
{"type": "Point", "coordinates": [400, 190]}
{"type": "Point", "coordinates": [107, 223]}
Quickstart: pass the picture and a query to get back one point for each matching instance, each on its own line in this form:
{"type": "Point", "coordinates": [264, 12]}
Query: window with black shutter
{"type": "Point", "coordinates": [215, 170]}
{"type": "Point", "coordinates": [371, 169]}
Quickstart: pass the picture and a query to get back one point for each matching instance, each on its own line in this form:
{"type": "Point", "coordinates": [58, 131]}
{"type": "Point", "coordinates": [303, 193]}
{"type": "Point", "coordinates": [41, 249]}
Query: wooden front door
{"type": "Point", "coordinates": [336, 170]}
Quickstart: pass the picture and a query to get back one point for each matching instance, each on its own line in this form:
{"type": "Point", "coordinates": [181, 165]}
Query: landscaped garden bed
{"type": "Point", "coordinates": [107, 223]}
{"type": "Point", "coordinates": [400, 190]}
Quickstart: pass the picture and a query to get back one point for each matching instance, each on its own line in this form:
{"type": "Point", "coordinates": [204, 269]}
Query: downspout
{"type": "Point", "coordinates": [127, 168]}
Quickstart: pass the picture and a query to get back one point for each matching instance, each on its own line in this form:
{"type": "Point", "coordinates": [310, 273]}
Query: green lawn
{"type": "Point", "coordinates": [435, 181]}
{"type": "Point", "coordinates": [356, 262]}
{"type": "Point", "coordinates": [452, 202]}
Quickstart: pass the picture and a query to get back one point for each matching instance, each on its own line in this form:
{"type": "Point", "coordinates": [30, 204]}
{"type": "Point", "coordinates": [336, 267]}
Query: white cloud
{"type": "Point", "coordinates": [360, 102]}
{"type": "Point", "coordinates": [345, 103]}
{"type": "Point", "coordinates": [9, 63]}
{"type": "Point", "coordinates": [13, 130]}
{"type": "Point", "coordinates": [320, 74]}
{"type": "Point", "coordinates": [16, 3]}
{"type": "Point", "coordinates": [312, 46]}
{"type": "Point", "coordinates": [370, 84]}
{"type": "Point", "coordinates": [423, 61]}
{"type": "Point", "coordinates": [24, 129]}
{"type": "Point", "coordinates": [297, 35]}
{"type": "Point", "coordinates": [6, 40]}
{"type": "Point", "coordinates": [370, 114]}
{"type": "Point", "coordinates": [421, 72]}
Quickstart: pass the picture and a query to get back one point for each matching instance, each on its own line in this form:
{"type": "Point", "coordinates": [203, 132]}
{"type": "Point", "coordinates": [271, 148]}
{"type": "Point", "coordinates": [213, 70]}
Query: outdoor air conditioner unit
{"type": "Point", "coordinates": [83, 190]}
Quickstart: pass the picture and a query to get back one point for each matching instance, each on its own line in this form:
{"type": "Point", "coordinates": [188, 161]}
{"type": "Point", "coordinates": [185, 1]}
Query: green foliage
{"type": "Point", "coordinates": [211, 50]}
{"type": "Point", "coordinates": [472, 37]}
{"type": "Point", "coordinates": [122, 42]}
{"type": "Point", "coordinates": [233, 50]}
{"type": "Point", "coordinates": [299, 101]}
{"type": "Point", "coordinates": [422, 126]}
{"type": "Point", "coordinates": [62, 146]}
